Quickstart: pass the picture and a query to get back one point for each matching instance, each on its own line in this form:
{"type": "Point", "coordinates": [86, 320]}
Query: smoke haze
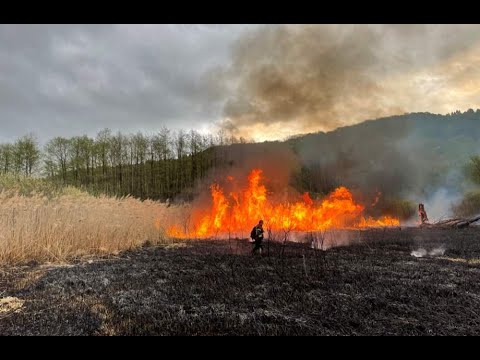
{"type": "Point", "coordinates": [288, 79]}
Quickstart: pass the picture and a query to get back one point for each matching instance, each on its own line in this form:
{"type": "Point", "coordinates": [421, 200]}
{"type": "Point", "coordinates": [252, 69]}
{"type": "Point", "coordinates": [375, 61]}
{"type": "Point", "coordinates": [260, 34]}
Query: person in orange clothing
{"type": "Point", "coordinates": [422, 214]}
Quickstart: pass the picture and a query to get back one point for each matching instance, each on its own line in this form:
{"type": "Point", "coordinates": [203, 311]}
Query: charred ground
{"type": "Point", "coordinates": [372, 287]}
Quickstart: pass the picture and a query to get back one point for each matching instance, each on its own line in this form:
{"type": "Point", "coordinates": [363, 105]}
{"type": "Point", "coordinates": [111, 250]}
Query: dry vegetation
{"type": "Point", "coordinates": [60, 226]}
{"type": "Point", "coordinates": [469, 206]}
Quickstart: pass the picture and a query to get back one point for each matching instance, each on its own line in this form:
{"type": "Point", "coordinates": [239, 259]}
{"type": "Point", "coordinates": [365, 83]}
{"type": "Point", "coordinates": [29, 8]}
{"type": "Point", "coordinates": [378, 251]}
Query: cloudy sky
{"type": "Point", "coordinates": [258, 81]}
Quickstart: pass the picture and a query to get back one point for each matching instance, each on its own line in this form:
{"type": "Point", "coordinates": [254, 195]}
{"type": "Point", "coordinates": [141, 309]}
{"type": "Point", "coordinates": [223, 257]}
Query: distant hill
{"type": "Point", "coordinates": [412, 154]}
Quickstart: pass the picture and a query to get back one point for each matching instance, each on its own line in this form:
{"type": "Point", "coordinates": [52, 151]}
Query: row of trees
{"type": "Point", "coordinates": [21, 157]}
{"type": "Point", "coordinates": [469, 112]}
{"type": "Point", "coordinates": [157, 166]}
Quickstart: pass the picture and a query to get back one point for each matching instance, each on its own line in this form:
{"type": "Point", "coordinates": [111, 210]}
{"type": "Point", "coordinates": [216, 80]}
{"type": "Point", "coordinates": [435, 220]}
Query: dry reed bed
{"type": "Point", "coordinates": [42, 229]}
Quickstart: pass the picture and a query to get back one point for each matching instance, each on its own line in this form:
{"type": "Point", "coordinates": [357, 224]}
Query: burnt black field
{"type": "Point", "coordinates": [374, 286]}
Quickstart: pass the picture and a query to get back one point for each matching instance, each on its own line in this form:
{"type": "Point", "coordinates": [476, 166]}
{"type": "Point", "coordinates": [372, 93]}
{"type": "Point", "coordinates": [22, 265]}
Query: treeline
{"type": "Point", "coordinates": [21, 157]}
{"type": "Point", "coordinates": [423, 147]}
{"type": "Point", "coordinates": [158, 166]}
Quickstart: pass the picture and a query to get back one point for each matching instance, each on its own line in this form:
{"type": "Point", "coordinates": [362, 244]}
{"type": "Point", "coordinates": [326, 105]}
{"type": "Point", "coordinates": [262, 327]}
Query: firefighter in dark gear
{"type": "Point", "coordinates": [257, 237]}
{"type": "Point", "coordinates": [422, 214]}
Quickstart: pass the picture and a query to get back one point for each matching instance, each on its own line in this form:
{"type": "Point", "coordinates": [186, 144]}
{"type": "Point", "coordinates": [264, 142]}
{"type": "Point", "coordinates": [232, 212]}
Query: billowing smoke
{"type": "Point", "coordinates": [303, 74]}
{"type": "Point", "coordinates": [439, 204]}
{"type": "Point", "coordinates": [288, 79]}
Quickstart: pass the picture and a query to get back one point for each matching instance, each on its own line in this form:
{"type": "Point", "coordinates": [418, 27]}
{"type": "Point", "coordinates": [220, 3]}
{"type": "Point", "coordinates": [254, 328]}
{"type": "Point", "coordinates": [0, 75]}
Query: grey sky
{"type": "Point", "coordinates": [263, 82]}
{"type": "Point", "coordinates": [71, 79]}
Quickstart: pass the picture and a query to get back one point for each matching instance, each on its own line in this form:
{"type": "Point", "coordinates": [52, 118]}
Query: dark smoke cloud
{"type": "Point", "coordinates": [319, 77]}
{"type": "Point", "coordinates": [287, 73]}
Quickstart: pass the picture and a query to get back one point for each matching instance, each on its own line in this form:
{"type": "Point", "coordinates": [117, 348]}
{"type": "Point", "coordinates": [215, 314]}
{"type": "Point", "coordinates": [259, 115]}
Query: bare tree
{"type": "Point", "coordinates": [6, 158]}
{"type": "Point", "coordinates": [56, 154]}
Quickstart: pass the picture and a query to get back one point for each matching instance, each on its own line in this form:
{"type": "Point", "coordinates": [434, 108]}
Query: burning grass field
{"type": "Point", "coordinates": [398, 281]}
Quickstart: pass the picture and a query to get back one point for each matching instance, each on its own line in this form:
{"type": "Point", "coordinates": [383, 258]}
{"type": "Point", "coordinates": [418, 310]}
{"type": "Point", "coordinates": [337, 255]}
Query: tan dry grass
{"type": "Point", "coordinates": [461, 260]}
{"type": "Point", "coordinates": [10, 304]}
{"type": "Point", "coordinates": [67, 226]}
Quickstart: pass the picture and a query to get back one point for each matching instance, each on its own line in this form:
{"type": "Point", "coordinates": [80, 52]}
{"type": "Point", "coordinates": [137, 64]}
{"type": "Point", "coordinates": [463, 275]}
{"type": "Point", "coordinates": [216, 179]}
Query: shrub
{"type": "Point", "coordinates": [473, 169]}
{"type": "Point", "coordinates": [470, 205]}
{"type": "Point", "coordinates": [399, 208]}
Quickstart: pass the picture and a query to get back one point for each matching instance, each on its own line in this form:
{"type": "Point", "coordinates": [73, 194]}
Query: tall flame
{"type": "Point", "coordinates": [238, 212]}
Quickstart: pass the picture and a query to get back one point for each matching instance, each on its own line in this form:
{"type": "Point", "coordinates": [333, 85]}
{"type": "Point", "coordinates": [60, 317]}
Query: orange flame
{"type": "Point", "coordinates": [240, 211]}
